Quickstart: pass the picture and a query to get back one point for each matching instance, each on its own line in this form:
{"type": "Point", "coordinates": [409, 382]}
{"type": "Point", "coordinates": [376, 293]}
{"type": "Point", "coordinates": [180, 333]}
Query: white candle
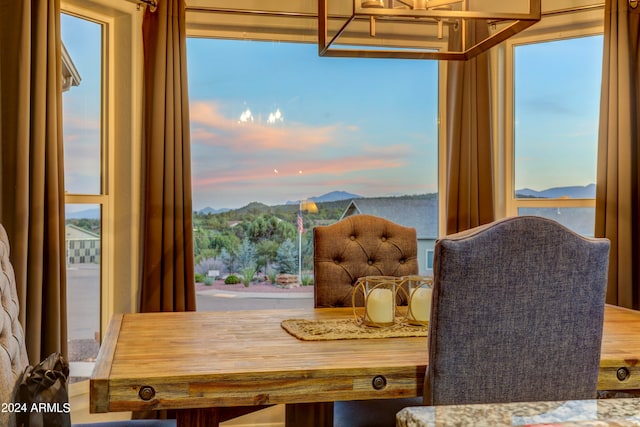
{"type": "Point", "coordinates": [380, 306]}
{"type": "Point", "coordinates": [420, 304]}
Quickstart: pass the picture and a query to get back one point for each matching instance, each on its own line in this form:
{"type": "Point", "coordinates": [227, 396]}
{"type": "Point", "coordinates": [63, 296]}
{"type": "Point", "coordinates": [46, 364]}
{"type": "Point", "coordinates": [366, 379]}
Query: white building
{"type": "Point", "coordinates": [83, 246]}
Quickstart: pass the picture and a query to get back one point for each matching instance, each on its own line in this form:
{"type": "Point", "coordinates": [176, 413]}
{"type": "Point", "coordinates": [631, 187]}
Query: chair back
{"type": "Point", "coordinates": [358, 246]}
{"type": "Point", "coordinates": [13, 356]}
{"type": "Point", "coordinates": [517, 314]}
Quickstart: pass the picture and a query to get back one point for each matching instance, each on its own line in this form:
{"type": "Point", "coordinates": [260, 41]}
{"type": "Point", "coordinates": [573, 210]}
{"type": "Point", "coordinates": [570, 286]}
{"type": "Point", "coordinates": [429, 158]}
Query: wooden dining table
{"type": "Point", "coordinates": [207, 365]}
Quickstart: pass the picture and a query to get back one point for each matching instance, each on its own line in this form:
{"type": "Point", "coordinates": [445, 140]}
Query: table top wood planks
{"type": "Point", "coordinates": [204, 359]}
{"type": "Point", "coordinates": [183, 361]}
{"type": "Point", "coordinates": [620, 354]}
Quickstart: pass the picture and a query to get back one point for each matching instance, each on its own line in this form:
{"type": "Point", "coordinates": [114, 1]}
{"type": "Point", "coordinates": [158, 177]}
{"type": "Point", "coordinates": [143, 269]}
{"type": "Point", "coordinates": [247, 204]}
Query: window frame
{"type": "Point", "coordinates": [123, 127]}
{"type": "Point", "coordinates": [123, 112]}
{"type": "Point", "coordinates": [102, 200]}
{"type": "Point", "coordinates": [298, 25]}
{"type": "Point", "coordinates": [568, 31]}
{"type": "Point", "coordinates": [123, 123]}
{"type": "Point", "coordinates": [121, 135]}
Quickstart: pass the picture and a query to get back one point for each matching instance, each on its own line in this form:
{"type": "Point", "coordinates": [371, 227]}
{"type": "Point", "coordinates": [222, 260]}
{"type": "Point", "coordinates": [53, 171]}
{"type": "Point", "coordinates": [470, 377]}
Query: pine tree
{"type": "Point", "coordinates": [287, 257]}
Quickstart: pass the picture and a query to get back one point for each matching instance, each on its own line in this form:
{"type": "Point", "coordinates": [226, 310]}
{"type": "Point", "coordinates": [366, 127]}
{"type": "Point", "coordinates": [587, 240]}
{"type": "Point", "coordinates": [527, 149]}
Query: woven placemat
{"type": "Point", "coordinates": [345, 329]}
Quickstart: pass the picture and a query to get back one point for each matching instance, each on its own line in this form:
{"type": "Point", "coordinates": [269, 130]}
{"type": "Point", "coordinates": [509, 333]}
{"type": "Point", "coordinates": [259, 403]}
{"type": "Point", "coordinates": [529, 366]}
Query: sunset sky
{"type": "Point", "coordinates": [366, 126]}
{"type": "Point", "coordinates": [362, 126]}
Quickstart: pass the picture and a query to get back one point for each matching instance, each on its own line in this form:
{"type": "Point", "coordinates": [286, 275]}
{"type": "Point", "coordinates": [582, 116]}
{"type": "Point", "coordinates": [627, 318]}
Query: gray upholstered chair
{"type": "Point", "coordinates": [517, 314]}
{"type": "Point", "coordinates": [354, 247]}
{"type": "Point", "coordinates": [358, 246]}
{"type": "Point", "coordinates": [13, 356]}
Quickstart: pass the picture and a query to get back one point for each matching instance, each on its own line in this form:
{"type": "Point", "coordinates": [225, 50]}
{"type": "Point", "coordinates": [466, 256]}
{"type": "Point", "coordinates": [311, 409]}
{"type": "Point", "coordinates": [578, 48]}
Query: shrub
{"type": "Point", "coordinates": [247, 275]}
{"type": "Point", "coordinates": [209, 281]}
{"type": "Point", "coordinates": [207, 264]}
{"type": "Point", "coordinates": [306, 280]}
{"type": "Point", "coordinates": [200, 278]}
{"type": "Point", "coordinates": [272, 276]}
{"type": "Point", "coordinates": [232, 279]}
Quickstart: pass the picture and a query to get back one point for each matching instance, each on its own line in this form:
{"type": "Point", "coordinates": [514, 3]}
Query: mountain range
{"type": "Point", "coordinates": [333, 196]}
{"type": "Point", "coordinates": [571, 192]}
{"type": "Point", "coordinates": [209, 210]}
{"type": "Point", "coordinates": [84, 214]}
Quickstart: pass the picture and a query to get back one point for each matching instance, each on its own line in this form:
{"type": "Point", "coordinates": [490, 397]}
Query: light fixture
{"type": "Point", "coordinates": [420, 29]}
{"type": "Point", "coordinates": [275, 117]}
{"type": "Point", "coordinates": [246, 116]}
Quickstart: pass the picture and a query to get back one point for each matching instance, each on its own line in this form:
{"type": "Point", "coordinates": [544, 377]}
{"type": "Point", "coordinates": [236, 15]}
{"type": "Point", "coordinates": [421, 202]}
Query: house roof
{"type": "Point", "coordinates": [74, 232]}
{"type": "Point", "coordinates": [419, 213]}
{"type": "Point", "coordinates": [70, 74]}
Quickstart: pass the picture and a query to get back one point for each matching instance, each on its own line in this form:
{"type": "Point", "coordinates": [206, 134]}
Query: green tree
{"type": "Point", "coordinates": [286, 231]}
{"type": "Point", "coordinates": [204, 254]}
{"type": "Point", "coordinates": [227, 241]}
{"type": "Point", "coordinates": [267, 250]}
{"type": "Point", "coordinates": [269, 227]}
{"type": "Point", "coordinates": [258, 229]}
{"type": "Point", "coordinates": [230, 261]}
{"type": "Point", "coordinates": [247, 256]}
{"type": "Point", "coordinates": [287, 257]}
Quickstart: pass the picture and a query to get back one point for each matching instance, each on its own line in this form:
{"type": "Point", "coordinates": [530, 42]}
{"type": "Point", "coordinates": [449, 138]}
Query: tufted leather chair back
{"type": "Point", "coordinates": [13, 356]}
{"type": "Point", "coordinates": [358, 246]}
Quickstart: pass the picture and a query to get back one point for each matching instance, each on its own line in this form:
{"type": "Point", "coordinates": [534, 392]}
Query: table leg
{"type": "Point", "coordinates": [209, 417]}
{"type": "Point", "coordinates": [212, 417]}
{"type": "Point", "coordinates": [318, 414]}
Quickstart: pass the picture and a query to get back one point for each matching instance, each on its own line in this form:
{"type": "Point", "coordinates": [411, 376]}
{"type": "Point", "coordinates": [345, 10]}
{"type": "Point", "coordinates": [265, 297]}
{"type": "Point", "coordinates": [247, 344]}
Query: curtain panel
{"type": "Point", "coordinates": [31, 157]}
{"type": "Point", "coordinates": [618, 180]}
{"type": "Point", "coordinates": [168, 281]}
{"type": "Point", "coordinates": [469, 147]}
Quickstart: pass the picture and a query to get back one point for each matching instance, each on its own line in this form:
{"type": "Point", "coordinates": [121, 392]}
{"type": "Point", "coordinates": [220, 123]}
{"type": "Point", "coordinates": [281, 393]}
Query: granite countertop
{"type": "Point", "coordinates": [582, 413]}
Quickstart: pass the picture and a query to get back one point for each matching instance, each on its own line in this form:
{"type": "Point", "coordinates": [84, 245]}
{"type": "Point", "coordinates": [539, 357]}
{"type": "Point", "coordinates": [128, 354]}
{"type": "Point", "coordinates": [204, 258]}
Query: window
{"type": "Point", "coordinates": [102, 131]}
{"type": "Point", "coordinates": [430, 259]}
{"type": "Point", "coordinates": [273, 124]}
{"type": "Point", "coordinates": [116, 195]}
{"type": "Point", "coordinates": [556, 96]}
{"type": "Point", "coordinates": [85, 187]}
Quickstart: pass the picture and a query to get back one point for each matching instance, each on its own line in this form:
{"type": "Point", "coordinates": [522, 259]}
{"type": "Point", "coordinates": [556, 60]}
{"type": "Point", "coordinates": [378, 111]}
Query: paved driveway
{"type": "Point", "coordinates": [219, 301]}
{"type": "Point", "coordinates": [83, 296]}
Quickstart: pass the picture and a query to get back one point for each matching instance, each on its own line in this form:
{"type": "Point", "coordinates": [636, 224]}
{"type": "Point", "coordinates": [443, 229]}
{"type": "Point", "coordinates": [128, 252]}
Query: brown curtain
{"type": "Point", "coordinates": [31, 180]}
{"type": "Point", "coordinates": [168, 282]}
{"type": "Point", "coordinates": [618, 186]}
{"type": "Point", "coordinates": [469, 152]}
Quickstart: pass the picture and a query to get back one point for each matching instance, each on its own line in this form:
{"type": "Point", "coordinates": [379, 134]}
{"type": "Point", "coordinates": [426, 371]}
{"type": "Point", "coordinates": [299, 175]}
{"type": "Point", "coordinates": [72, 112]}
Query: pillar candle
{"type": "Point", "coordinates": [380, 306]}
{"type": "Point", "coordinates": [420, 304]}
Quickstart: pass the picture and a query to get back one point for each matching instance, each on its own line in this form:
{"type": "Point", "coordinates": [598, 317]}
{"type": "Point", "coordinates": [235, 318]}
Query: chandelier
{"type": "Point", "coordinates": [420, 29]}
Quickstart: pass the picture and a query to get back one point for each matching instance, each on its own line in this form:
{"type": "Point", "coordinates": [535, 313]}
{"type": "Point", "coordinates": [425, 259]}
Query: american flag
{"type": "Point", "coordinates": [300, 225]}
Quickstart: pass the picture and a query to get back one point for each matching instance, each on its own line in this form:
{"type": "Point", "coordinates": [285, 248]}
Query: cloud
{"type": "Point", "coordinates": [229, 156]}
{"type": "Point", "coordinates": [225, 151]}
{"type": "Point", "coordinates": [233, 163]}
{"type": "Point", "coordinates": [78, 121]}
{"type": "Point", "coordinates": [252, 171]}
{"type": "Point", "coordinates": [547, 106]}
{"type": "Point", "coordinates": [210, 127]}
{"type": "Point", "coordinates": [81, 153]}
